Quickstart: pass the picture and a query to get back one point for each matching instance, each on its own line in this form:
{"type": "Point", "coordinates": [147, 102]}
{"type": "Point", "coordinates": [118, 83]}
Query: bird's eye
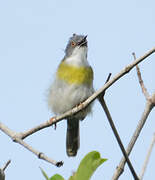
{"type": "Point", "coordinates": [73, 43]}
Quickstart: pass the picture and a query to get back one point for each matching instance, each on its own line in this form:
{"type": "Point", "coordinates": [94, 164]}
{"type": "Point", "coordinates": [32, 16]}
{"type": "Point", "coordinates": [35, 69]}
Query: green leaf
{"type": "Point", "coordinates": [56, 177]}
{"type": "Point", "coordinates": [88, 166]}
{"type": "Point", "coordinates": [44, 174]}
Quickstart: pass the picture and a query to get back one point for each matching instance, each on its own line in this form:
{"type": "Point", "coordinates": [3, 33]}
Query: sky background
{"type": "Point", "coordinates": [33, 36]}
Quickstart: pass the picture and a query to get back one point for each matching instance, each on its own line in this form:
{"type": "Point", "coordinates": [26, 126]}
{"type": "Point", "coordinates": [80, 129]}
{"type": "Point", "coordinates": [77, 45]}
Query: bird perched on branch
{"type": "Point", "coordinates": [72, 85]}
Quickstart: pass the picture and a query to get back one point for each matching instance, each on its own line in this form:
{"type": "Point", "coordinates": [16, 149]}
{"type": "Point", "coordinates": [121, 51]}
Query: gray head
{"type": "Point", "coordinates": [74, 43]}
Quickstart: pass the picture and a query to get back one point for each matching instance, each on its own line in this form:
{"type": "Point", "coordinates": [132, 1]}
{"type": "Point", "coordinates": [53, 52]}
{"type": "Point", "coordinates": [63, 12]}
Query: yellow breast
{"type": "Point", "coordinates": [74, 74]}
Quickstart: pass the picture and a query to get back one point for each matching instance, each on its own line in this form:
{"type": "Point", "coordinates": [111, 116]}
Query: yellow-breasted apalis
{"type": "Point", "coordinates": [72, 85]}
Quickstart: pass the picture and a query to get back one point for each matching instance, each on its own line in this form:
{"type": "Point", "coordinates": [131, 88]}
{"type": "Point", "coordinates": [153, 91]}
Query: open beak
{"type": "Point", "coordinates": [83, 42]}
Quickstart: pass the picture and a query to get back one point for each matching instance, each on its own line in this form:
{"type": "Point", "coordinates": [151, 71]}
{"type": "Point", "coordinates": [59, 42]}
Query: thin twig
{"type": "Point", "coordinates": [120, 167]}
{"type": "Point", "coordinates": [150, 103]}
{"type": "Point", "coordinates": [15, 138]}
{"type": "Point", "coordinates": [6, 165]}
{"type": "Point", "coordinates": [89, 100]}
{"type": "Point", "coordinates": [108, 78]}
{"type": "Point", "coordinates": [118, 138]}
{"type": "Point", "coordinates": [106, 110]}
{"type": "Point", "coordinates": [147, 158]}
{"type": "Point", "coordinates": [2, 174]}
{"type": "Point", "coordinates": [141, 82]}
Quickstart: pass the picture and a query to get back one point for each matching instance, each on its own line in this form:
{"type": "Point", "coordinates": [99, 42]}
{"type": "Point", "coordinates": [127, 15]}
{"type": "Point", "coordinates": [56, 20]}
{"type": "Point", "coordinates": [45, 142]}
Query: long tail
{"type": "Point", "coordinates": [72, 138]}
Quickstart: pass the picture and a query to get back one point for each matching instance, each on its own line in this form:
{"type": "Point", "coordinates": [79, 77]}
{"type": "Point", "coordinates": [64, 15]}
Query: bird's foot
{"type": "Point", "coordinates": [51, 122]}
{"type": "Point", "coordinates": [80, 104]}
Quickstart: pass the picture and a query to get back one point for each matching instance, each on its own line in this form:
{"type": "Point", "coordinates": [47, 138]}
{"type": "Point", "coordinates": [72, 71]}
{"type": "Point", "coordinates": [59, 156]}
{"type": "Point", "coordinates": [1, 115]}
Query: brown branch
{"type": "Point", "coordinates": [120, 167]}
{"type": "Point", "coordinates": [147, 158]}
{"type": "Point", "coordinates": [150, 103]}
{"type": "Point", "coordinates": [17, 139]}
{"type": "Point", "coordinates": [6, 165]}
{"type": "Point", "coordinates": [89, 100]}
{"type": "Point", "coordinates": [144, 90]}
{"type": "Point", "coordinates": [106, 110]}
{"type": "Point", "coordinates": [104, 106]}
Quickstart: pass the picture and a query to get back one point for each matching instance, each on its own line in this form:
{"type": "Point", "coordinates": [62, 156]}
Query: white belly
{"type": "Point", "coordinates": [63, 97]}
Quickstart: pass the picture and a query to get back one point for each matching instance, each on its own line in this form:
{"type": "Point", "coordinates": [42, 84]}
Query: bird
{"type": "Point", "coordinates": [72, 84]}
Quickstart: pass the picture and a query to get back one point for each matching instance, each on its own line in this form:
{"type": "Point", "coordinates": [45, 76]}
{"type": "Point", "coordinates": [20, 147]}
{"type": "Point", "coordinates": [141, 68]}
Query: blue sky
{"type": "Point", "coordinates": [33, 36]}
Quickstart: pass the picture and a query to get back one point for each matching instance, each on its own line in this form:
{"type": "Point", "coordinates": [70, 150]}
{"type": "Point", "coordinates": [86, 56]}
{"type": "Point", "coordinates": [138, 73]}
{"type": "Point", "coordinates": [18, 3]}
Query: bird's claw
{"type": "Point", "coordinates": [51, 121]}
